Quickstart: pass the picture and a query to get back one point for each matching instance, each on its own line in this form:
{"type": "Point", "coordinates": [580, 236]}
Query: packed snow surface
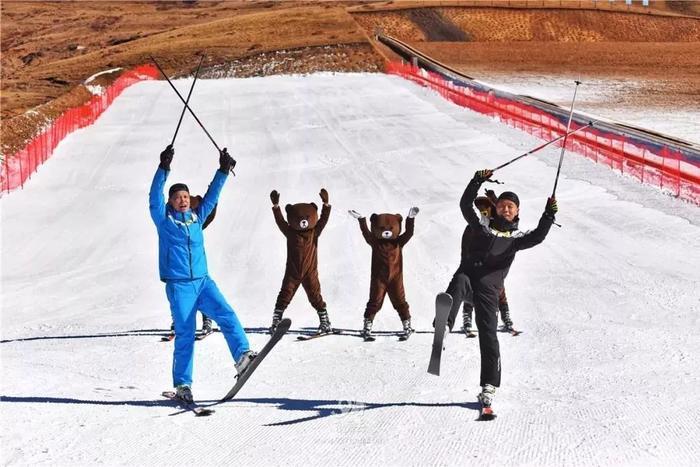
{"type": "Point", "coordinates": [606, 371]}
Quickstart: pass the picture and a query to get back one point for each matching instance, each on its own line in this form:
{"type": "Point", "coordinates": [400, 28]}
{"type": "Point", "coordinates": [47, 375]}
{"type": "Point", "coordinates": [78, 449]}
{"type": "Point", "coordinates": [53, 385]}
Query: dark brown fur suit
{"type": "Point", "coordinates": [302, 234]}
{"type": "Point", "coordinates": [194, 204]}
{"type": "Point", "coordinates": [387, 262]}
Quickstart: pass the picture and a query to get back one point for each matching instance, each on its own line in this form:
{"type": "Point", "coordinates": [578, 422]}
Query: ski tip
{"type": "Point", "coordinates": [487, 414]}
{"type": "Point", "coordinates": [284, 325]}
{"type": "Point", "coordinates": [201, 412]}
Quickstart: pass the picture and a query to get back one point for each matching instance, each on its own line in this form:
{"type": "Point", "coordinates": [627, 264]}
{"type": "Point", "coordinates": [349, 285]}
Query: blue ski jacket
{"type": "Point", "coordinates": [181, 253]}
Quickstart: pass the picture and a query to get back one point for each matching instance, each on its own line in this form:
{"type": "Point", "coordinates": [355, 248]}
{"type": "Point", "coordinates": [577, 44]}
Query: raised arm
{"type": "Point", "coordinates": [211, 197]}
{"type": "Point", "coordinates": [410, 222]}
{"type": "Point", "coordinates": [535, 237]}
{"type": "Point", "coordinates": [365, 231]}
{"type": "Point", "coordinates": [156, 199]}
{"type": "Point", "coordinates": [325, 212]}
{"type": "Point", "coordinates": [466, 204]}
{"type": "Point", "coordinates": [277, 212]}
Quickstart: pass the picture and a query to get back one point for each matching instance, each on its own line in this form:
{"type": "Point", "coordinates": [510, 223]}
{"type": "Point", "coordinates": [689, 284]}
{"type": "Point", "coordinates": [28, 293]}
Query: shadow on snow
{"type": "Point", "coordinates": [323, 408]}
{"type": "Point", "coordinates": [165, 332]}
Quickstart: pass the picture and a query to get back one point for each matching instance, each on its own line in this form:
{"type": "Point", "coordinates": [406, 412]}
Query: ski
{"type": "Point", "coordinates": [202, 335]}
{"type": "Point", "coordinates": [404, 336]}
{"type": "Point", "coordinates": [486, 414]}
{"type": "Point", "coordinates": [511, 331]}
{"type": "Point", "coordinates": [281, 330]}
{"type": "Point", "coordinates": [192, 407]}
{"type": "Point", "coordinates": [443, 304]}
{"type": "Point", "coordinates": [369, 338]}
{"type": "Point", "coordinates": [318, 334]}
{"type": "Point", "coordinates": [168, 338]}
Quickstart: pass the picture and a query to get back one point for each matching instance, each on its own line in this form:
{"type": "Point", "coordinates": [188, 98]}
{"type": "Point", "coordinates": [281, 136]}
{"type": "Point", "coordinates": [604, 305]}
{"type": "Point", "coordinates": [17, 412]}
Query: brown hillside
{"type": "Point", "coordinates": [558, 25]}
{"type": "Point", "coordinates": [50, 48]}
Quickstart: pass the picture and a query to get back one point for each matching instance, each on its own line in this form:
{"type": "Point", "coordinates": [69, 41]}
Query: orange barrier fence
{"type": "Point", "coordinates": [653, 164]}
{"type": "Point", "coordinates": [17, 168]}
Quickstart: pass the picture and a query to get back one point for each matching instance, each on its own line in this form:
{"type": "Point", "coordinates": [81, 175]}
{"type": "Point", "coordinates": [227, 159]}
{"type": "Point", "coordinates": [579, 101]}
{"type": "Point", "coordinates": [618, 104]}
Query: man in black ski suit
{"type": "Point", "coordinates": [489, 252]}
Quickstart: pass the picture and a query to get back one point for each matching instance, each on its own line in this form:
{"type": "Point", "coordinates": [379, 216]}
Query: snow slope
{"type": "Point", "coordinates": [605, 373]}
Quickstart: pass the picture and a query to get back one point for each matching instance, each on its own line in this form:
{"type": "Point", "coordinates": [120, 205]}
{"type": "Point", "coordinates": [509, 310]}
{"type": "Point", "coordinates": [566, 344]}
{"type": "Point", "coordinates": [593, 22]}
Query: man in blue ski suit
{"type": "Point", "coordinates": [183, 267]}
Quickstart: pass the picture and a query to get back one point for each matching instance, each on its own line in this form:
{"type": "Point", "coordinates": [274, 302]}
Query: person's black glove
{"type": "Point", "coordinates": [275, 197]}
{"type": "Point", "coordinates": [482, 175]}
{"type": "Point", "coordinates": [551, 208]}
{"type": "Point", "coordinates": [324, 195]}
{"type": "Point", "coordinates": [166, 157]}
{"type": "Point", "coordinates": [226, 162]}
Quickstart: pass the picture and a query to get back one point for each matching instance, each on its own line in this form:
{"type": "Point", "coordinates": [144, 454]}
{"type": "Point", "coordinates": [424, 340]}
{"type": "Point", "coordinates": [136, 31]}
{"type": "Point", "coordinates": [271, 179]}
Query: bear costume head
{"type": "Point", "coordinates": [386, 226]}
{"type": "Point", "coordinates": [302, 216]}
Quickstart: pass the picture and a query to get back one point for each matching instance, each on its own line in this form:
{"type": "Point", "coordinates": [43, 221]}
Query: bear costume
{"type": "Point", "coordinates": [387, 243]}
{"type": "Point", "coordinates": [302, 232]}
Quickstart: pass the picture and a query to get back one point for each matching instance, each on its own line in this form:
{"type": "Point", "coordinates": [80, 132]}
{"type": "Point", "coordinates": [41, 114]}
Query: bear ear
{"type": "Point", "coordinates": [288, 208]}
{"type": "Point", "coordinates": [399, 216]}
{"type": "Point", "coordinates": [314, 205]}
{"type": "Point", "coordinates": [373, 217]}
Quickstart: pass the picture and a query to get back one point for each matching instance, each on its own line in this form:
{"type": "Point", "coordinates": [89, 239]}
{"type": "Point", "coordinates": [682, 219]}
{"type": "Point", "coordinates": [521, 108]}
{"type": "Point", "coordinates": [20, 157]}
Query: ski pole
{"type": "Point", "coordinates": [188, 107]}
{"type": "Point", "coordinates": [542, 146]}
{"type": "Point", "coordinates": [196, 75]}
{"type": "Point", "coordinates": [563, 146]}
{"type": "Point", "coordinates": [185, 102]}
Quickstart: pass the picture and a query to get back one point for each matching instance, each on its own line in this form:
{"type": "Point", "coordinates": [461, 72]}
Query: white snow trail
{"type": "Point", "coordinates": [606, 371]}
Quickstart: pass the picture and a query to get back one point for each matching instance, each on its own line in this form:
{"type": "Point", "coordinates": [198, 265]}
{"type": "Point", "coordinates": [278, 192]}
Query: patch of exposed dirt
{"type": "Point", "coordinates": [435, 26]}
{"type": "Point", "coordinates": [338, 58]}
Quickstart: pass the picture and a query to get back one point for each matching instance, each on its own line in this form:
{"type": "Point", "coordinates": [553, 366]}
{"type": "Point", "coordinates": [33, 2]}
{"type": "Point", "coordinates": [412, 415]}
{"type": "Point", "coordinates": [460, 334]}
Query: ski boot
{"type": "Point", "coordinates": [467, 320]}
{"type": "Point", "coordinates": [184, 393]}
{"type": "Point", "coordinates": [485, 398]}
{"type": "Point", "coordinates": [467, 328]}
{"type": "Point", "coordinates": [206, 326]}
{"type": "Point", "coordinates": [245, 361]}
{"type": "Point", "coordinates": [367, 331]}
{"type": "Point", "coordinates": [407, 329]}
{"type": "Point", "coordinates": [505, 317]}
{"type": "Point", "coordinates": [324, 326]}
{"type": "Point", "coordinates": [276, 318]}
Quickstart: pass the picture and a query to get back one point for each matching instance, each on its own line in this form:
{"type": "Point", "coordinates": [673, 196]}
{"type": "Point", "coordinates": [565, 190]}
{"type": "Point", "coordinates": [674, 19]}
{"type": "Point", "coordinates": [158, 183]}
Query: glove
{"type": "Point", "coordinates": [551, 209]}
{"type": "Point", "coordinates": [275, 197]}
{"type": "Point", "coordinates": [226, 162]}
{"type": "Point", "coordinates": [166, 157]}
{"type": "Point", "coordinates": [482, 175]}
{"type": "Point", "coordinates": [355, 214]}
{"type": "Point", "coordinates": [413, 212]}
{"type": "Point", "coordinates": [324, 195]}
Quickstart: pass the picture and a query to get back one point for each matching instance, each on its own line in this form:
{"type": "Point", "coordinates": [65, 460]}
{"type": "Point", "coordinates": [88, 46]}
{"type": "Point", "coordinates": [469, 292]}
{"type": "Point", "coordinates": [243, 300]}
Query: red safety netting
{"type": "Point", "coordinates": [18, 167]}
{"type": "Point", "coordinates": [652, 164]}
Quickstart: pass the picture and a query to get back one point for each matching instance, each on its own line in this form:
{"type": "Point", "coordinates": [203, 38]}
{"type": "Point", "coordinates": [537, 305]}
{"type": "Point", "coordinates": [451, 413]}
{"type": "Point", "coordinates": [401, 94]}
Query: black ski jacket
{"type": "Point", "coordinates": [486, 249]}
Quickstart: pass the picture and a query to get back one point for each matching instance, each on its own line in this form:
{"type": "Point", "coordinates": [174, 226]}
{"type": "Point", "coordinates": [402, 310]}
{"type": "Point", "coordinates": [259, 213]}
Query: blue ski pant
{"type": "Point", "coordinates": [186, 297]}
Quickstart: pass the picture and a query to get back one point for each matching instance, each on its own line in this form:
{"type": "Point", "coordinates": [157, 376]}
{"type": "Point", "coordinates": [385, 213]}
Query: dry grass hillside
{"type": "Point", "coordinates": [50, 48]}
{"type": "Point", "coordinates": [506, 25]}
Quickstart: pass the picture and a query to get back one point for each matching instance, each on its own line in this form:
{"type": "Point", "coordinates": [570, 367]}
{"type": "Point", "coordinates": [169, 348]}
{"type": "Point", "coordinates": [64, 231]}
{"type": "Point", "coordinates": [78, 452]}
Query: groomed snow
{"type": "Point", "coordinates": [606, 372]}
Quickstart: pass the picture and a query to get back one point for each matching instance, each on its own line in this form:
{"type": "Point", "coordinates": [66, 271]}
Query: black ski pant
{"type": "Point", "coordinates": [482, 289]}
